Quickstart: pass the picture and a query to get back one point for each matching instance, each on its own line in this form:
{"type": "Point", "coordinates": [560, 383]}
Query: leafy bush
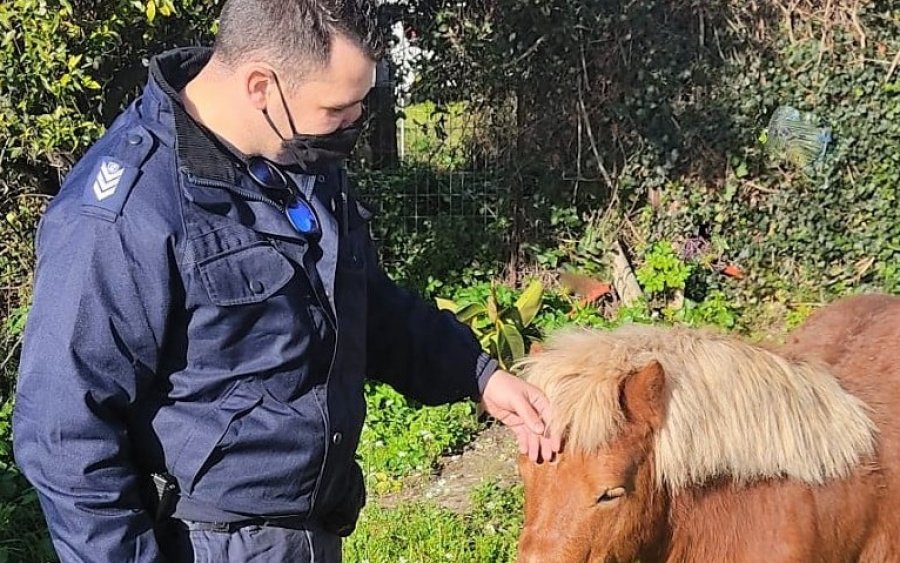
{"type": "Point", "coordinates": [68, 66]}
{"type": "Point", "coordinates": [663, 272]}
{"type": "Point", "coordinates": [655, 109]}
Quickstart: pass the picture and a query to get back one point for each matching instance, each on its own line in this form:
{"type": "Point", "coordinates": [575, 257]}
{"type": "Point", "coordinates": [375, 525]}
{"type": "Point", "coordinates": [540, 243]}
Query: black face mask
{"type": "Point", "coordinates": [314, 153]}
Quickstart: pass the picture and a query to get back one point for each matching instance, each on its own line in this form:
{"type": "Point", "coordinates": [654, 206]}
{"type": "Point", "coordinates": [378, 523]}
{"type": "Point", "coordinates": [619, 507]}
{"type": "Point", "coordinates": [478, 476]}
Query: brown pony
{"type": "Point", "coordinates": [693, 447]}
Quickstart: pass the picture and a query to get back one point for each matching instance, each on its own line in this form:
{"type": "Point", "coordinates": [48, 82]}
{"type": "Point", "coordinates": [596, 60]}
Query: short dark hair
{"type": "Point", "coordinates": [295, 34]}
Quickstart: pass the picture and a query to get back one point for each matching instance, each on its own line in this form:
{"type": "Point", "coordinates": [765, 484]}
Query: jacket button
{"type": "Point", "coordinates": [320, 178]}
{"type": "Point", "coordinates": [134, 139]}
{"type": "Point", "coordinates": [337, 438]}
{"type": "Point", "coordinates": [256, 286]}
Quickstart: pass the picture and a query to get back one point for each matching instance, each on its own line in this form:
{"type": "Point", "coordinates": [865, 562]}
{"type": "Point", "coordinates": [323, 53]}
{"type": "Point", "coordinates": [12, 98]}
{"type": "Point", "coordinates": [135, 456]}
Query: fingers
{"type": "Point", "coordinates": [506, 393]}
{"type": "Point", "coordinates": [529, 407]}
{"type": "Point", "coordinates": [550, 442]}
{"type": "Point", "coordinates": [534, 447]}
{"type": "Point", "coordinates": [526, 410]}
{"type": "Point", "coordinates": [552, 439]}
{"type": "Point", "coordinates": [521, 437]}
{"type": "Point", "coordinates": [547, 453]}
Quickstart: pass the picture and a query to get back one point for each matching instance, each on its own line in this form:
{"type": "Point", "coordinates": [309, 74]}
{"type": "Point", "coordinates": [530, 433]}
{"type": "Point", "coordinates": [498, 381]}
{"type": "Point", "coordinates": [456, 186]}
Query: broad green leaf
{"type": "Point", "coordinates": [511, 342]}
{"type": "Point", "coordinates": [529, 302]}
{"type": "Point", "coordinates": [470, 311]}
{"type": "Point", "coordinates": [446, 304]}
{"type": "Point", "coordinates": [492, 312]}
{"type": "Point", "coordinates": [150, 10]}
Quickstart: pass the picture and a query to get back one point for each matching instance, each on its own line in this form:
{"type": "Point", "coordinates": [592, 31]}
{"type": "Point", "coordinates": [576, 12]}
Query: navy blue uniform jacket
{"type": "Point", "coordinates": [180, 324]}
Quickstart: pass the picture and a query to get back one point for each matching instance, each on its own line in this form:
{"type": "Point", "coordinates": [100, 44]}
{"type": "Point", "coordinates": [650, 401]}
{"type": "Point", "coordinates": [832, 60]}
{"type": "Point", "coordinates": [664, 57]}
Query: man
{"type": "Point", "coordinates": [207, 303]}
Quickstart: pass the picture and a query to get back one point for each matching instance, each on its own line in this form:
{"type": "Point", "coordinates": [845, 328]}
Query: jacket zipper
{"type": "Point", "coordinates": [246, 194]}
{"type": "Point", "coordinates": [324, 408]}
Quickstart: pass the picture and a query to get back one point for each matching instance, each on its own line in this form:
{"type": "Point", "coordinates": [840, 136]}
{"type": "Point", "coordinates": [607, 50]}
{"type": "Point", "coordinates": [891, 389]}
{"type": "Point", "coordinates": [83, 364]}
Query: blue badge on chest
{"type": "Point", "coordinates": [108, 189]}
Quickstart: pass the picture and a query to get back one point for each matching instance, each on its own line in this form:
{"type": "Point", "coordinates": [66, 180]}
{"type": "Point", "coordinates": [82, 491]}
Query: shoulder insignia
{"type": "Point", "coordinates": [108, 178]}
{"type": "Point", "coordinates": [113, 177]}
{"type": "Point", "coordinates": [110, 184]}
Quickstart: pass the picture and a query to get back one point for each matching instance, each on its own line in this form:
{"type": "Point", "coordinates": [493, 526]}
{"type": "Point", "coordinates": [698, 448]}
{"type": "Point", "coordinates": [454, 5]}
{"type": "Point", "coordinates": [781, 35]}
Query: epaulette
{"type": "Point", "coordinates": [113, 177]}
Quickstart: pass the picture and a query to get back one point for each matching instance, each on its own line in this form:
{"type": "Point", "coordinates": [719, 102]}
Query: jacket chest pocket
{"type": "Point", "coordinates": [245, 275]}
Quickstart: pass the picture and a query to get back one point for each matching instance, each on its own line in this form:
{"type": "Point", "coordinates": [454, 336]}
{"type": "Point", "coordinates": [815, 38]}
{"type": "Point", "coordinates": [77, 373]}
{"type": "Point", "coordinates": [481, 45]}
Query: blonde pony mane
{"type": "Point", "coordinates": [732, 409]}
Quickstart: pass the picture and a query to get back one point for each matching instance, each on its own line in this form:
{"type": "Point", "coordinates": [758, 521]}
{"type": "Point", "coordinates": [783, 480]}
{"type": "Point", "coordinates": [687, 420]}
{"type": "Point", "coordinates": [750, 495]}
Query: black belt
{"type": "Point", "coordinates": [166, 495]}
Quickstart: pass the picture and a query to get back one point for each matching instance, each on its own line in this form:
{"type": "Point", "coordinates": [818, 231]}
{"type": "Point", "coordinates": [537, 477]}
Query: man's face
{"type": "Point", "coordinates": [328, 98]}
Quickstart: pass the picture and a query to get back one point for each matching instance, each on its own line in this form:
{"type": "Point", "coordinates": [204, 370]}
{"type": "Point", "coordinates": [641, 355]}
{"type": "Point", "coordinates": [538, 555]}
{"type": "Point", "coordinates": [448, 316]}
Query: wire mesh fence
{"type": "Point", "coordinates": [442, 194]}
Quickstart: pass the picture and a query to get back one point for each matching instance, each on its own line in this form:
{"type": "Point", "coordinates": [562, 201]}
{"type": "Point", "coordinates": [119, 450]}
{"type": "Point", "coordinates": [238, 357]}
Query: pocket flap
{"type": "Point", "coordinates": [245, 275]}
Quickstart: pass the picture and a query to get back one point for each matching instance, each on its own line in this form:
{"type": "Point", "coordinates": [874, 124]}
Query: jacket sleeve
{"type": "Point", "coordinates": [422, 352]}
{"type": "Point", "coordinates": [90, 352]}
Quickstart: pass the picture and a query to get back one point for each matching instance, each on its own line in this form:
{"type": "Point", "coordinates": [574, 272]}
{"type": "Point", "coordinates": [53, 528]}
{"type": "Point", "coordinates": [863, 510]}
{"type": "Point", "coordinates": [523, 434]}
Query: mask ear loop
{"type": "Point", "coordinates": [265, 113]}
{"type": "Point", "coordinates": [287, 110]}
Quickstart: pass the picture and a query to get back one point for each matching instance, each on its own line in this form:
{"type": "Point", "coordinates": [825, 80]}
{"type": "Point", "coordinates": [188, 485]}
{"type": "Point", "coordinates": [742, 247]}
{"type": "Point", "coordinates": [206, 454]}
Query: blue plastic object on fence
{"type": "Point", "coordinates": [794, 137]}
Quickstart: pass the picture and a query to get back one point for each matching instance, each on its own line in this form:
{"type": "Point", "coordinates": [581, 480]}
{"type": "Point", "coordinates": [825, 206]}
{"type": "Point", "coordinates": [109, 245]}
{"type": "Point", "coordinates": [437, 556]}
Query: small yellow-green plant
{"type": "Point", "coordinates": [501, 330]}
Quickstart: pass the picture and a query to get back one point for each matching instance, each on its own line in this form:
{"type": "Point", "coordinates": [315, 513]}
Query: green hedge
{"type": "Point", "coordinates": [656, 108]}
{"type": "Point", "coordinates": [832, 232]}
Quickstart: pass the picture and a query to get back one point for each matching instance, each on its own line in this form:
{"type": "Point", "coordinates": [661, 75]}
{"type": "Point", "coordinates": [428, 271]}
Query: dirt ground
{"type": "Point", "coordinates": [490, 457]}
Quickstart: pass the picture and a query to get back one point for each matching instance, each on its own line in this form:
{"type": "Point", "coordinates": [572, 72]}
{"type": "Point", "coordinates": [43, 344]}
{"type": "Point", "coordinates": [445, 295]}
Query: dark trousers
{"type": "Point", "coordinates": [186, 542]}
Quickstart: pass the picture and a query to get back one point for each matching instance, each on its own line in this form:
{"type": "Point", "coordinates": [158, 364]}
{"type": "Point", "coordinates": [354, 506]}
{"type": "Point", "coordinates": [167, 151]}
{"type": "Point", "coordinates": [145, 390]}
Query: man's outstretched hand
{"type": "Point", "coordinates": [525, 410]}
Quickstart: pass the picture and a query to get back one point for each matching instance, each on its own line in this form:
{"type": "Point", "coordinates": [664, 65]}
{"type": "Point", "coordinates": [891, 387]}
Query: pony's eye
{"type": "Point", "coordinates": [611, 494]}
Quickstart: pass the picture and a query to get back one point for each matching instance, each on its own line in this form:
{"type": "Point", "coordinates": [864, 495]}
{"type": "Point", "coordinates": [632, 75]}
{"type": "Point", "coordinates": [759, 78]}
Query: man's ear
{"type": "Point", "coordinates": [256, 81]}
{"type": "Point", "coordinates": [643, 395]}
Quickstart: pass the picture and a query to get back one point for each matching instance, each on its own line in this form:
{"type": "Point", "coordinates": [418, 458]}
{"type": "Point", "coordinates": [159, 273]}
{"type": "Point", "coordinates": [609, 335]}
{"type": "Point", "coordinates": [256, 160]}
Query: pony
{"type": "Point", "coordinates": [692, 446]}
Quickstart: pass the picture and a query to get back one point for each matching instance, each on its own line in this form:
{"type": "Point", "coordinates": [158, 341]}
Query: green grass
{"type": "Point", "coordinates": [400, 438]}
{"type": "Point", "coordinates": [425, 533]}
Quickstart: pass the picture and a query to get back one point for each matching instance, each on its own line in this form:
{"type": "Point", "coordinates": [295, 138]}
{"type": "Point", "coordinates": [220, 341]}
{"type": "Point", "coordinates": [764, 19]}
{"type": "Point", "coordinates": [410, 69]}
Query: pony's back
{"type": "Point", "coordinates": [859, 337]}
{"type": "Point", "coordinates": [849, 334]}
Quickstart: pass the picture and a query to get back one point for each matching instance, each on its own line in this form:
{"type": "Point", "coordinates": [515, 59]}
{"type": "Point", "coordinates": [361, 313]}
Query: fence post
{"type": "Point", "coordinates": [384, 118]}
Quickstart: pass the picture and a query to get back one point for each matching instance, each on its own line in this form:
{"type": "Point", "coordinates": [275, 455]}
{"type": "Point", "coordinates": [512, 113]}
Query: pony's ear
{"type": "Point", "coordinates": [643, 395]}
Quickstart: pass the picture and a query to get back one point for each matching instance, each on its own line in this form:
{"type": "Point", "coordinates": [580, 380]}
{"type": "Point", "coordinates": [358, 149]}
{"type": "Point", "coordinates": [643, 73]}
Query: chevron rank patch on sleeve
{"type": "Point", "coordinates": [108, 188]}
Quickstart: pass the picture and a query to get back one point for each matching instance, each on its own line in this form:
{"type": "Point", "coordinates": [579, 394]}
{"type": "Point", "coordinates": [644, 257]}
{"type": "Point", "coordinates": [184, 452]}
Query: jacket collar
{"type": "Point", "coordinates": [198, 150]}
